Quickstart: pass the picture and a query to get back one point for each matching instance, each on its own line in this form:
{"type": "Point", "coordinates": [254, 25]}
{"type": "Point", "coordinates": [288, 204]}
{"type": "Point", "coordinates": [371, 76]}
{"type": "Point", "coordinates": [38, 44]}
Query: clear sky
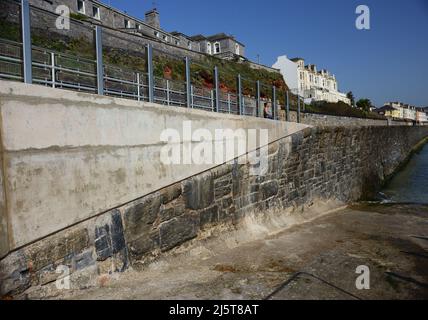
{"type": "Point", "coordinates": [389, 62]}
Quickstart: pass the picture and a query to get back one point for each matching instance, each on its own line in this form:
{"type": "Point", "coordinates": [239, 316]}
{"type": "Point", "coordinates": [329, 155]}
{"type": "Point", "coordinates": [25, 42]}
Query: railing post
{"type": "Point", "coordinates": [188, 84]}
{"type": "Point", "coordinates": [99, 55]}
{"type": "Point", "coordinates": [167, 92]}
{"type": "Point", "coordinates": [191, 96]}
{"type": "Point", "coordinates": [228, 102]}
{"type": "Point", "coordinates": [287, 114]}
{"type": "Point", "coordinates": [53, 69]}
{"type": "Point", "coordinates": [149, 54]}
{"type": "Point", "coordinates": [26, 41]}
{"type": "Point", "coordinates": [274, 104]}
{"type": "Point", "coordinates": [138, 87]}
{"type": "Point", "coordinates": [239, 94]}
{"type": "Point", "coordinates": [243, 106]}
{"type": "Point", "coordinates": [212, 100]}
{"type": "Point", "coordinates": [298, 108]}
{"type": "Point", "coordinates": [258, 102]}
{"type": "Point", "coordinates": [216, 88]}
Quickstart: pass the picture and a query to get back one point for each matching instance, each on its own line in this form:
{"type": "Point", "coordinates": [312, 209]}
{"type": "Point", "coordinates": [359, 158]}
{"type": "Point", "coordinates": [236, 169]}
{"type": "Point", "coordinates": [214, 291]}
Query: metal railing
{"type": "Point", "coordinates": [22, 61]}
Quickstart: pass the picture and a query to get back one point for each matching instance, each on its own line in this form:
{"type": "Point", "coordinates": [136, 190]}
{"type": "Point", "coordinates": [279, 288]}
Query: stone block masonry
{"type": "Point", "coordinates": [319, 163]}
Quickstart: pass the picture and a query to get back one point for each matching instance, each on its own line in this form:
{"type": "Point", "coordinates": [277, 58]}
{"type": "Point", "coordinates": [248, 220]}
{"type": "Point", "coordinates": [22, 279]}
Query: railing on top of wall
{"type": "Point", "coordinates": [23, 61]}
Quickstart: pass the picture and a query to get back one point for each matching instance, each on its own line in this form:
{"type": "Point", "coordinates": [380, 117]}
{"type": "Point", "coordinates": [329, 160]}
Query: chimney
{"type": "Point", "coordinates": [152, 18]}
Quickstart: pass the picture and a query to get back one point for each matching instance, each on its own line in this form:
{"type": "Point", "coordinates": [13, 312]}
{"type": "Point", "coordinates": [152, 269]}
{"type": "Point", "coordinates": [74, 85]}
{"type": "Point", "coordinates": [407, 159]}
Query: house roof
{"type": "Point", "coordinates": [177, 34]}
{"type": "Point", "coordinates": [386, 108]}
{"type": "Point", "coordinates": [220, 36]}
{"type": "Point", "coordinates": [296, 59]}
{"type": "Point", "coordinates": [198, 37]}
{"type": "Point", "coordinates": [215, 37]}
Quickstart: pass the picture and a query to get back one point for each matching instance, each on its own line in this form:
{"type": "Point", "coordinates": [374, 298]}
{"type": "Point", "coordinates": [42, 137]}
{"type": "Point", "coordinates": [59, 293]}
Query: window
{"type": "Point", "coordinates": [209, 48]}
{"type": "Point", "coordinates": [96, 12]}
{"type": "Point", "coordinates": [127, 23]}
{"type": "Point", "coordinates": [237, 50]}
{"type": "Point", "coordinates": [157, 35]}
{"type": "Point", "coordinates": [165, 38]}
{"type": "Point", "coordinates": [177, 43]}
{"type": "Point", "coordinates": [81, 6]}
{"type": "Point", "coordinates": [216, 47]}
{"type": "Point", "coordinates": [137, 26]}
{"type": "Point", "coordinates": [189, 45]}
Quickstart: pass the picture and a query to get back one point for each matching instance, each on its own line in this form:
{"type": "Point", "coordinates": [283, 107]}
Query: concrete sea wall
{"type": "Point", "coordinates": [68, 156]}
{"type": "Point", "coordinates": [81, 188]}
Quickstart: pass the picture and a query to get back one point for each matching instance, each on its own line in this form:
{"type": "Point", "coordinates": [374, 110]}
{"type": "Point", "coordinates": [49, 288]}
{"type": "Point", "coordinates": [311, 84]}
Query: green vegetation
{"type": "Point", "coordinates": [122, 58]}
{"type": "Point", "coordinates": [10, 31]}
{"type": "Point", "coordinates": [341, 109]}
{"type": "Point", "coordinates": [351, 97]}
{"type": "Point", "coordinates": [78, 16]}
{"type": "Point", "coordinates": [364, 104]}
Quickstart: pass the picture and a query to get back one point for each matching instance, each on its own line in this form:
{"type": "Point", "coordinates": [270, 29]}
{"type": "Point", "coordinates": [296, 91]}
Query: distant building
{"type": "Point", "coordinates": [421, 114]}
{"type": "Point", "coordinates": [399, 110]}
{"type": "Point", "coordinates": [220, 45]}
{"type": "Point", "coordinates": [97, 12]}
{"type": "Point", "coordinates": [390, 111]}
{"type": "Point", "coordinates": [308, 82]}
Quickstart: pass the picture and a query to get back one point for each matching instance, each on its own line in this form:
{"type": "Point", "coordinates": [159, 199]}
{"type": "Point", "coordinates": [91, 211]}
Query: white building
{"type": "Point", "coordinates": [401, 110]}
{"type": "Point", "coordinates": [409, 112]}
{"type": "Point", "coordinates": [289, 71]}
{"type": "Point", "coordinates": [421, 115]}
{"type": "Point", "coordinates": [308, 82]}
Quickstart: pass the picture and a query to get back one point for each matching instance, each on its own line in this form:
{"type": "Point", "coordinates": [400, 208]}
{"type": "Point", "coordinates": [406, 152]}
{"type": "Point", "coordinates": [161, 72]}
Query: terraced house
{"type": "Point", "coordinates": [310, 83]}
{"type": "Point", "coordinates": [399, 110]}
{"type": "Point", "coordinates": [221, 45]}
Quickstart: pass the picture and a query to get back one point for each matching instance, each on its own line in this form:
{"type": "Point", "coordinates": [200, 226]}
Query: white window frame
{"type": "Point", "coordinates": [217, 45]}
{"type": "Point", "coordinates": [83, 6]}
{"type": "Point", "coordinates": [157, 34]}
{"type": "Point", "coordinates": [237, 49]}
{"type": "Point", "coordinates": [127, 23]}
{"type": "Point", "coordinates": [209, 48]}
{"type": "Point", "coordinates": [96, 14]}
{"type": "Point", "coordinates": [165, 38]}
{"type": "Point", "coordinates": [189, 45]}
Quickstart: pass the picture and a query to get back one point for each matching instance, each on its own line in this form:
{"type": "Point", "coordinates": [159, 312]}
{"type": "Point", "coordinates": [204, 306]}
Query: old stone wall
{"type": "Point", "coordinates": [319, 163]}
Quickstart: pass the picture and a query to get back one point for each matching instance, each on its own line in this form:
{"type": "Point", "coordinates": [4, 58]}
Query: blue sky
{"type": "Point", "coordinates": [389, 62]}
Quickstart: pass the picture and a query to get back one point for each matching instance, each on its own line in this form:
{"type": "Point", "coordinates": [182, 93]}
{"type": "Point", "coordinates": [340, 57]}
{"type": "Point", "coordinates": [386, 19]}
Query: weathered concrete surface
{"type": "Point", "coordinates": [69, 156]}
{"type": "Point", "coordinates": [256, 261]}
{"type": "Point", "coordinates": [4, 234]}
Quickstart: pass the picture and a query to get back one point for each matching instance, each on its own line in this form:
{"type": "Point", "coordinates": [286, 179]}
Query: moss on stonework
{"type": "Point", "coordinates": [9, 31]}
{"type": "Point", "coordinates": [78, 16]}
